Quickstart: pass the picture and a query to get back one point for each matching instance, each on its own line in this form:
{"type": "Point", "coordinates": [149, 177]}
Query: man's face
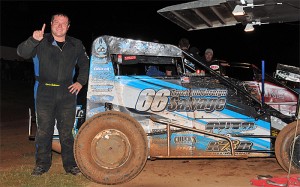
{"type": "Point", "coordinates": [60, 26]}
{"type": "Point", "coordinates": [208, 56]}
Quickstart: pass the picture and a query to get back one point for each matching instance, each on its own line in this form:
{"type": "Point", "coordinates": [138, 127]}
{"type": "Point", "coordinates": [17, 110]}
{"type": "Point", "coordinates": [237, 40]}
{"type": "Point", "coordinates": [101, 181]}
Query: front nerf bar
{"type": "Point", "coordinates": [170, 122]}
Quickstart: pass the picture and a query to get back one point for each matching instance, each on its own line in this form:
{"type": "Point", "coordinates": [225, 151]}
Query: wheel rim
{"type": "Point", "coordinates": [110, 149]}
{"type": "Point", "coordinates": [296, 153]}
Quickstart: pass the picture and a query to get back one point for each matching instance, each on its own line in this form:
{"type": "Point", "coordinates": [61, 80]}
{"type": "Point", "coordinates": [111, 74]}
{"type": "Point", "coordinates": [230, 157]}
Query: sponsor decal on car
{"type": "Point", "coordinates": [207, 100]}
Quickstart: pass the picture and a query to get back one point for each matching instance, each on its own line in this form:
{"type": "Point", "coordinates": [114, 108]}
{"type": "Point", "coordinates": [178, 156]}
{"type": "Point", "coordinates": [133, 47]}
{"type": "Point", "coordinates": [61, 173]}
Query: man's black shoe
{"type": "Point", "coordinates": [37, 171]}
{"type": "Point", "coordinates": [74, 171]}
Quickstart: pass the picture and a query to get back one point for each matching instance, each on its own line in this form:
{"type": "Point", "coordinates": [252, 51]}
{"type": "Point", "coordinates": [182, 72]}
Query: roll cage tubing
{"type": "Point", "coordinates": [272, 111]}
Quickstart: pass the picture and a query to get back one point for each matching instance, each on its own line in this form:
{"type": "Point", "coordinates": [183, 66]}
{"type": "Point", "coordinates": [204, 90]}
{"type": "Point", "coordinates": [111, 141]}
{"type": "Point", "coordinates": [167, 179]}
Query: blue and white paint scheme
{"type": "Point", "coordinates": [211, 108]}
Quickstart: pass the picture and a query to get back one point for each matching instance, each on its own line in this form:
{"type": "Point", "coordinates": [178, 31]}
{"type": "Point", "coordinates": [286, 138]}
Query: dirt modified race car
{"type": "Point", "coordinates": [144, 102]}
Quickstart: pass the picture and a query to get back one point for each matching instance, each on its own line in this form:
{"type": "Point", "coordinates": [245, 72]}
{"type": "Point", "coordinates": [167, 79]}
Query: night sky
{"type": "Point", "coordinates": [274, 43]}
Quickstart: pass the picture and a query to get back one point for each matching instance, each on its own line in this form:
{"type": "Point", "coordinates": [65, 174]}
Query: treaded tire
{"type": "Point", "coordinates": [111, 148]}
{"type": "Point", "coordinates": [283, 147]}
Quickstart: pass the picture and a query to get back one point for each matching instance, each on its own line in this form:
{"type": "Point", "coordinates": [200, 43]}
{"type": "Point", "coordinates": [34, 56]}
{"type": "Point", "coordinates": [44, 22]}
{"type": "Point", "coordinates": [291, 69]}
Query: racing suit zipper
{"type": "Point", "coordinates": [60, 68]}
{"type": "Point", "coordinates": [63, 46]}
{"type": "Point", "coordinates": [61, 49]}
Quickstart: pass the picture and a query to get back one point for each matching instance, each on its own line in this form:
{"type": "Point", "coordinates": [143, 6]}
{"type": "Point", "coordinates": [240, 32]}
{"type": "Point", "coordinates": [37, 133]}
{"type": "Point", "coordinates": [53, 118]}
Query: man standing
{"type": "Point", "coordinates": [55, 56]}
{"type": "Point", "coordinates": [184, 45]}
{"type": "Point", "coordinates": [214, 64]}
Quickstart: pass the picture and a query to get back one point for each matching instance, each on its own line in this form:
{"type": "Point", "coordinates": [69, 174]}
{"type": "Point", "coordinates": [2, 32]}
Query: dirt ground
{"type": "Point", "coordinates": [17, 151]}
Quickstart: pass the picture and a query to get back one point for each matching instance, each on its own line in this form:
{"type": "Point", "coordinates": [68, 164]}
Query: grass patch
{"type": "Point", "coordinates": [22, 177]}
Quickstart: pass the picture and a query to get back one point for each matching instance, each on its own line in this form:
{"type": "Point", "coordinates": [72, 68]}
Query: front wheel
{"type": "Point", "coordinates": [285, 154]}
{"type": "Point", "coordinates": [111, 148]}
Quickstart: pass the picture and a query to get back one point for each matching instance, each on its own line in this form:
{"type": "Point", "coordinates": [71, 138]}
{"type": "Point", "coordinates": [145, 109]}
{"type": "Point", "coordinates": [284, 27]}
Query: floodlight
{"type": "Point", "coordinates": [238, 11]}
{"type": "Point", "coordinates": [249, 27]}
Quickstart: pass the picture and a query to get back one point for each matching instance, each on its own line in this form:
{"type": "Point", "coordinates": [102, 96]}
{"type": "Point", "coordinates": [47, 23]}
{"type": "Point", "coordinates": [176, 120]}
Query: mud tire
{"type": "Point", "coordinates": [283, 147]}
{"type": "Point", "coordinates": [111, 148]}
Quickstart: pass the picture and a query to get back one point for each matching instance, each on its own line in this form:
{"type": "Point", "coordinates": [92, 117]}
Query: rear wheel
{"type": "Point", "coordinates": [111, 148]}
{"type": "Point", "coordinates": [285, 154]}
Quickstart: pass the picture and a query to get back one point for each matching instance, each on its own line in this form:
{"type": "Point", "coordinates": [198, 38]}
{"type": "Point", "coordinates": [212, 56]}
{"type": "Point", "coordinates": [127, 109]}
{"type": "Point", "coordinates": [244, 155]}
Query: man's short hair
{"type": "Point", "coordinates": [61, 14]}
{"type": "Point", "coordinates": [184, 43]}
{"type": "Point", "coordinates": [209, 50]}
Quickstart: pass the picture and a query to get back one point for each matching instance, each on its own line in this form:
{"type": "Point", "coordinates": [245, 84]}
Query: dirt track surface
{"type": "Point", "coordinates": [17, 151]}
